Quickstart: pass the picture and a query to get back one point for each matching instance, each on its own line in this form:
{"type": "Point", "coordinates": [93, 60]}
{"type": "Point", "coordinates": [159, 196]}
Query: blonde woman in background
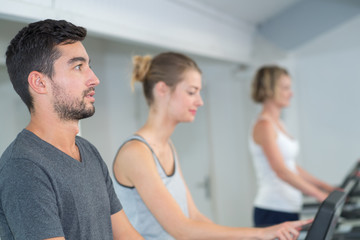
{"type": "Point", "coordinates": [149, 181]}
{"type": "Point", "coordinates": [281, 182]}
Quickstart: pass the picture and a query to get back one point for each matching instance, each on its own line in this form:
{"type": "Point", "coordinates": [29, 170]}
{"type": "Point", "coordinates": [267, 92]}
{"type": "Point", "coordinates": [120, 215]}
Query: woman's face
{"type": "Point", "coordinates": [283, 91]}
{"type": "Point", "coordinates": [185, 99]}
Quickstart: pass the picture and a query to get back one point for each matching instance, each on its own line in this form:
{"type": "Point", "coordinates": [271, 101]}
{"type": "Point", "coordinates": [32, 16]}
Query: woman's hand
{"type": "Point", "coordinates": [284, 231]}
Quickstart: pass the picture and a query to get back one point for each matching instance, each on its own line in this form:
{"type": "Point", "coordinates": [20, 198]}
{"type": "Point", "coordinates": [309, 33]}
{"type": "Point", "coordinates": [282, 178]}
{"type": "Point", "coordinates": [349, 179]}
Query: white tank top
{"type": "Point", "coordinates": [135, 209]}
{"type": "Point", "coordinates": [273, 193]}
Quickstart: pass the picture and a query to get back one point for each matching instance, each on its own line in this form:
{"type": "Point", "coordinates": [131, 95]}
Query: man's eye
{"type": "Point", "coordinates": [78, 67]}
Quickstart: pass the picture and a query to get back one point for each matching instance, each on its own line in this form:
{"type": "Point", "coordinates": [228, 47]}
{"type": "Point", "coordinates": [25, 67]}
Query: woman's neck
{"type": "Point", "coordinates": [157, 129]}
{"type": "Point", "coordinates": [271, 110]}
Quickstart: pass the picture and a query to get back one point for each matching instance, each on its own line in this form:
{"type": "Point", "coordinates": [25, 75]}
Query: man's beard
{"type": "Point", "coordinates": [71, 109]}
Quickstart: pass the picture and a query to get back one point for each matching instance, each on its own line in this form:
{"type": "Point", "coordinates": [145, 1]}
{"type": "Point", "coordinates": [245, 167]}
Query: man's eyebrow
{"type": "Point", "coordinates": [76, 59]}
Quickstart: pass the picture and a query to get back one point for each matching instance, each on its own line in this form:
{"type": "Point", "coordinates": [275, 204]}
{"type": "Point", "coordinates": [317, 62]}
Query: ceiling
{"type": "Point", "coordinates": [288, 24]}
{"type": "Point", "coordinates": [251, 11]}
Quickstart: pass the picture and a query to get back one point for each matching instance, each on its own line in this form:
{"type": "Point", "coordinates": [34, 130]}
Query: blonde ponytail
{"type": "Point", "coordinates": [141, 68]}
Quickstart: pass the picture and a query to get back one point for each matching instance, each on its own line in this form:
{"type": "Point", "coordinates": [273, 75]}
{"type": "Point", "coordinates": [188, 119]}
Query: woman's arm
{"type": "Point", "coordinates": [135, 164]}
{"type": "Point", "coordinates": [315, 181]}
{"type": "Point", "coordinates": [265, 135]}
{"type": "Point", "coordinates": [122, 228]}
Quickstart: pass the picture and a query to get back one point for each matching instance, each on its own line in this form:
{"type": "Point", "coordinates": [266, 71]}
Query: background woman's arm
{"type": "Point", "coordinates": [265, 135]}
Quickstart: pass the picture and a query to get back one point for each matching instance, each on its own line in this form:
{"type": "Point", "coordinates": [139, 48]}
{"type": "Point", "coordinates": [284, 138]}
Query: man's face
{"type": "Point", "coordinates": [73, 83]}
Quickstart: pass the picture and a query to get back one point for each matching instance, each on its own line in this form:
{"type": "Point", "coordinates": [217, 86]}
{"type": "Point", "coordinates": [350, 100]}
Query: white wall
{"type": "Point", "coordinates": [328, 79]}
{"type": "Point", "coordinates": [234, 178]}
{"type": "Point", "coordinates": [14, 114]}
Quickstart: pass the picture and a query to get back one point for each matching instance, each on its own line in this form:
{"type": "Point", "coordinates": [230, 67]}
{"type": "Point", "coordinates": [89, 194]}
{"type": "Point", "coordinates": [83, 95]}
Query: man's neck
{"type": "Point", "coordinates": [61, 134]}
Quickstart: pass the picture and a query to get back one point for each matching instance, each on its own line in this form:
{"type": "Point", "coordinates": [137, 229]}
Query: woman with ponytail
{"type": "Point", "coordinates": [148, 177]}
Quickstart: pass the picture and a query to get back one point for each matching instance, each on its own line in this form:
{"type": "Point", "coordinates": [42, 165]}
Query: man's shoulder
{"type": "Point", "coordinates": [12, 150]}
{"type": "Point", "coordinates": [18, 160]}
{"type": "Point", "coordinates": [23, 146]}
{"type": "Point", "coordinates": [27, 148]}
{"type": "Point", "coordinates": [6, 155]}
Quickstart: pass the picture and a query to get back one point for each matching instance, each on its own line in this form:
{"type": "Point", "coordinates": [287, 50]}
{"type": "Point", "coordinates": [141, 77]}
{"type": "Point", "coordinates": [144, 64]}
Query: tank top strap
{"type": "Point", "coordinates": [272, 122]}
{"type": "Point", "coordinates": [280, 130]}
{"type": "Point", "coordinates": [141, 139]}
{"type": "Point", "coordinates": [157, 162]}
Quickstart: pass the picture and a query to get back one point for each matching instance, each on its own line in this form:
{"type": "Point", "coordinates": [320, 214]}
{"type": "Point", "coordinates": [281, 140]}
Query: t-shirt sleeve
{"type": "Point", "coordinates": [29, 202]}
{"type": "Point", "coordinates": [115, 205]}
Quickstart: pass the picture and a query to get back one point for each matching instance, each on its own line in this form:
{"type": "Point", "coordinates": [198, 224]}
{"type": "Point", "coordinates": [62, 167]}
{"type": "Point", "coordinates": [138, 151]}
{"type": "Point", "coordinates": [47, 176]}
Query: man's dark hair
{"type": "Point", "coordinates": [34, 49]}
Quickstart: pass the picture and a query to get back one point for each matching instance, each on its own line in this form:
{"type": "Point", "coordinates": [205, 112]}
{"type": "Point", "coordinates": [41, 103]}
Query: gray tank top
{"type": "Point", "coordinates": [136, 210]}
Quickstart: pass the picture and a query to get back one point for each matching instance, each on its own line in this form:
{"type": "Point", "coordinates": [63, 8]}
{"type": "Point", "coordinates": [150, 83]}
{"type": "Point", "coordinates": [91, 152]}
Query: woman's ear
{"type": "Point", "coordinates": [161, 88]}
{"type": "Point", "coordinates": [37, 82]}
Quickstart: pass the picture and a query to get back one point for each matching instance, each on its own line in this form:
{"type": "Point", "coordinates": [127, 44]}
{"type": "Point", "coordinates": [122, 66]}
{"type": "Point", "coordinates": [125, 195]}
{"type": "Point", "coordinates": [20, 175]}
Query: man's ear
{"type": "Point", "coordinates": [37, 82]}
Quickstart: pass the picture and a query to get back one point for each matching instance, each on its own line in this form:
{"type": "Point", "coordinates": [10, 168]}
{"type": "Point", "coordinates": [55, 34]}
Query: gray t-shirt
{"type": "Point", "coordinates": [45, 193]}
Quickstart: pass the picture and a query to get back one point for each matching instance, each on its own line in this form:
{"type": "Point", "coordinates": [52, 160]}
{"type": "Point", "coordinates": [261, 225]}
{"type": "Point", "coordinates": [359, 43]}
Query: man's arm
{"type": "Point", "coordinates": [122, 228]}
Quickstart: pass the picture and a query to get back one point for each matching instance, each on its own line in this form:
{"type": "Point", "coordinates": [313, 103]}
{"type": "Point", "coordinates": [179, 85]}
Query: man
{"type": "Point", "coordinates": [54, 184]}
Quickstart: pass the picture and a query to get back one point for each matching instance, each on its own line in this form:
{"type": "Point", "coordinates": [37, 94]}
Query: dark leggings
{"type": "Point", "coordinates": [265, 217]}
